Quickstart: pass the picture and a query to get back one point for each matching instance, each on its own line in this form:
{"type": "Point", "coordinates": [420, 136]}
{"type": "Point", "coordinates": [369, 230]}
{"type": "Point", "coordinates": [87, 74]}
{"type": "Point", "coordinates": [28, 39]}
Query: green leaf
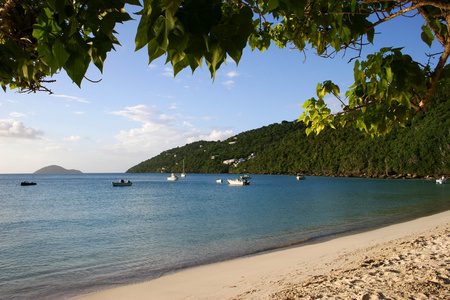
{"type": "Point", "coordinates": [271, 5]}
{"type": "Point", "coordinates": [389, 74]}
{"type": "Point", "coordinates": [25, 71]}
{"type": "Point", "coordinates": [76, 68]}
{"type": "Point", "coordinates": [178, 40]}
{"type": "Point", "coordinates": [427, 36]}
{"type": "Point", "coordinates": [142, 33]}
{"type": "Point", "coordinates": [107, 24]}
{"type": "Point", "coordinates": [160, 30]}
{"type": "Point", "coordinates": [370, 35]}
{"type": "Point", "coordinates": [69, 10]}
{"type": "Point", "coordinates": [180, 65]}
{"type": "Point", "coordinates": [39, 31]}
{"type": "Point", "coordinates": [60, 55]}
{"type": "Point", "coordinates": [308, 103]}
{"type": "Point", "coordinates": [154, 51]}
{"type": "Point", "coordinates": [60, 9]}
{"type": "Point", "coordinates": [214, 58]}
{"type": "Point", "coordinates": [172, 5]}
{"type": "Point", "coordinates": [133, 2]}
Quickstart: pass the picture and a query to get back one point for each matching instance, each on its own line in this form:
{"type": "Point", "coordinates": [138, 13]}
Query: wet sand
{"type": "Point", "coordinates": [409, 260]}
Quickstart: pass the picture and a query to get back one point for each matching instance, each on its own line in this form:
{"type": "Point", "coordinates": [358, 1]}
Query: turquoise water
{"type": "Point", "coordinates": [74, 234]}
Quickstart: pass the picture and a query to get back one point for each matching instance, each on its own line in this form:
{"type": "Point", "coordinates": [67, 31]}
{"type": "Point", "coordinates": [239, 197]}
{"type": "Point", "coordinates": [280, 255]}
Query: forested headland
{"type": "Point", "coordinates": [421, 149]}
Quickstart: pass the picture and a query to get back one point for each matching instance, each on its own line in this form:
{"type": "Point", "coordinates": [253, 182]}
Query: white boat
{"type": "Point", "coordinates": [246, 176]}
{"type": "Point", "coordinates": [219, 180]}
{"type": "Point", "coordinates": [122, 182]}
{"type": "Point", "coordinates": [183, 174]}
{"type": "Point", "coordinates": [238, 181]}
{"type": "Point", "coordinates": [172, 177]}
{"type": "Point", "coordinates": [301, 177]}
{"type": "Point", "coordinates": [441, 180]}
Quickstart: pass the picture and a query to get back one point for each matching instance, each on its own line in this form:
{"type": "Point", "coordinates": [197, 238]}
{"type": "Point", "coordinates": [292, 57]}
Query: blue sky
{"type": "Point", "coordinates": [139, 110]}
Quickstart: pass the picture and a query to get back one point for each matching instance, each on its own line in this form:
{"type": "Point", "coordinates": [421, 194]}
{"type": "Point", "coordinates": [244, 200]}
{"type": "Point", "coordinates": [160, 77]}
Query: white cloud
{"type": "Point", "coordinates": [144, 114]}
{"type": "Point", "coordinates": [52, 148]}
{"type": "Point", "coordinates": [16, 114]}
{"type": "Point", "coordinates": [232, 74]}
{"type": "Point", "coordinates": [208, 119]}
{"type": "Point", "coordinates": [166, 96]}
{"type": "Point", "coordinates": [214, 136]}
{"type": "Point", "coordinates": [79, 112]}
{"type": "Point", "coordinates": [74, 138]}
{"type": "Point", "coordinates": [229, 83]}
{"type": "Point", "coordinates": [186, 123]}
{"type": "Point", "coordinates": [168, 72]}
{"type": "Point", "coordinates": [159, 132]}
{"type": "Point", "coordinates": [70, 98]}
{"type": "Point", "coordinates": [14, 129]}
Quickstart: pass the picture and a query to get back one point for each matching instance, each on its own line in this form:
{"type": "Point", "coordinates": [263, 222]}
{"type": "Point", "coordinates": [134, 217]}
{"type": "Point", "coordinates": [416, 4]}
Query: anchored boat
{"type": "Point", "coordinates": [238, 181]}
{"type": "Point", "coordinates": [122, 182]}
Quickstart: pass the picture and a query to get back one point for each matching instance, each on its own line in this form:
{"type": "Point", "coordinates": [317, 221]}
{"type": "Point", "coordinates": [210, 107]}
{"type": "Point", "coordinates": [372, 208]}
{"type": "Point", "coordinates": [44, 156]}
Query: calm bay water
{"type": "Point", "coordinates": [74, 234]}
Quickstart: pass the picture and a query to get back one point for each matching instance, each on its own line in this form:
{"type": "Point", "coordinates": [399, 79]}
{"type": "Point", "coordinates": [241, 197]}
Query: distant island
{"type": "Point", "coordinates": [53, 169]}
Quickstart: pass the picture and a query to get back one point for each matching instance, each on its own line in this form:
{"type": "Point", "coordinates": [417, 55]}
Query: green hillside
{"type": "Point", "coordinates": [421, 149]}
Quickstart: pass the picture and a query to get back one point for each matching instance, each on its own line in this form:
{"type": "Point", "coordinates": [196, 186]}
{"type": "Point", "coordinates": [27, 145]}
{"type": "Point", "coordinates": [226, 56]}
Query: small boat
{"type": "Point", "coordinates": [441, 180]}
{"type": "Point", "coordinates": [238, 181]}
{"type": "Point", "coordinates": [122, 182]}
{"type": "Point", "coordinates": [183, 174]}
{"type": "Point", "coordinates": [300, 177]}
{"type": "Point", "coordinates": [246, 176]}
{"type": "Point", "coordinates": [25, 183]}
{"type": "Point", "coordinates": [172, 177]}
{"type": "Point", "coordinates": [219, 180]}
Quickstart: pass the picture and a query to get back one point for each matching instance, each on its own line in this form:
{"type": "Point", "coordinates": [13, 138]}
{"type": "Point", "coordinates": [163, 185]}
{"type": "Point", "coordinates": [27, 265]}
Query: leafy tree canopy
{"type": "Point", "coordinates": [39, 38]}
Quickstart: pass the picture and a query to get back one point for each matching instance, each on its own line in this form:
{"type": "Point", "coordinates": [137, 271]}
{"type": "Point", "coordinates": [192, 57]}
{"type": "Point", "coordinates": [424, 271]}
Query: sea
{"type": "Point", "coordinates": [71, 235]}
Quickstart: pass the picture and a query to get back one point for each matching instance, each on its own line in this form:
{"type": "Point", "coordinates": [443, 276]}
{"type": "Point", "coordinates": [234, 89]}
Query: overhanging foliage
{"type": "Point", "coordinates": [40, 38]}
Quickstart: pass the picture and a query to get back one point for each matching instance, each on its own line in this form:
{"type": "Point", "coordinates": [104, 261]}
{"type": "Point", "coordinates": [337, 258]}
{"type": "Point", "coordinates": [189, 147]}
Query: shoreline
{"type": "Point", "coordinates": [307, 270]}
{"type": "Point", "coordinates": [348, 174]}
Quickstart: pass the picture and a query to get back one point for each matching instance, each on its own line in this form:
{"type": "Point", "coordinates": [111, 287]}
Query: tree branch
{"type": "Point", "coordinates": [425, 15]}
{"type": "Point", "coordinates": [351, 110]}
{"type": "Point", "coordinates": [6, 7]}
{"type": "Point", "coordinates": [435, 3]}
{"type": "Point", "coordinates": [438, 70]}
{"type": "Point", "coordinates": [390, 17]}
{"type": "Point", "coordinates": [439, 4]}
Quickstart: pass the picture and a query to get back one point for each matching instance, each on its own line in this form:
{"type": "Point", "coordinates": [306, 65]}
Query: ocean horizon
{"type": "Point", "coordinates": [73, 234]}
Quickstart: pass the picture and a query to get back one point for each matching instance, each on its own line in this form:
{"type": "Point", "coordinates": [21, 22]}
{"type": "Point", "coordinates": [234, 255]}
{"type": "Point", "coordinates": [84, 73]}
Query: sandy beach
{"type": "Point", "coordinates": [404, 261]}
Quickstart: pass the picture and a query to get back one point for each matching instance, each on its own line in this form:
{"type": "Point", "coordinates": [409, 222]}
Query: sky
{"type": "Point", "coordinates": [138, 110]}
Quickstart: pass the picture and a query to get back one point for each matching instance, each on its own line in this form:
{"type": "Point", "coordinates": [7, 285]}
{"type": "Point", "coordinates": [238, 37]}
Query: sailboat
{"type": "Point", "coordinates": [183, 174]}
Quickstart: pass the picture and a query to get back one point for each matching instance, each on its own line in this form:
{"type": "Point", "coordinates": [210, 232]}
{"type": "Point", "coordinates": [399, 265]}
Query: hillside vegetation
{"type": "Point", "coordinates": [420, 149]}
